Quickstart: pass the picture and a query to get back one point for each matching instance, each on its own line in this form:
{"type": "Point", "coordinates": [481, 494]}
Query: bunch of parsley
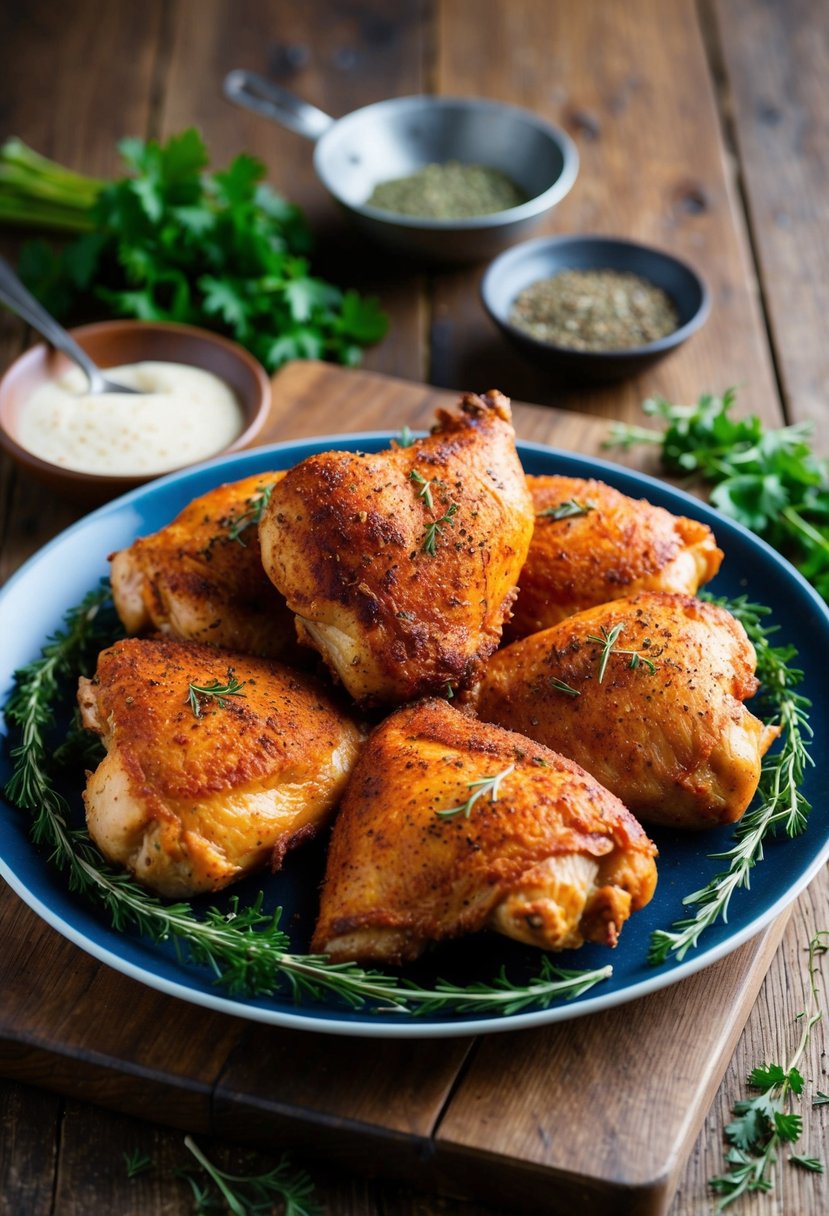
{"type": "Point", "coordinates": [766, 478]}
{"type": "Point", "coordinates": [174, 242]}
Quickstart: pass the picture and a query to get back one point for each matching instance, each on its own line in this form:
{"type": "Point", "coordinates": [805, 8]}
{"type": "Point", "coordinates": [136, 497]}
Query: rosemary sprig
{"type": "Point", "coordinates": [136, 1163]}
{"type": "Point", "coordinates": [425, 491]}
{"type": "Point", "coordinates": [237, 524]}
{"type": "Point", "coordinates": [608, 644]}
{"type": "Point", "coordinates": [780, 804]}
{"type": "Point", "coordinates": [433, 530]}
{"type": "Point", "coordinates": [567, 510]}
{"type": "Point", "coordinates": [486, 785]}
{"type": "Point", "coordinates": [561, 686]}
{"type": "Point", "coordinates": [245, 947]}
{"type": "Point", "coordinates": [765, 1123]}
{"type": "Point", "coordinates": [215, 690]}
{"type": "Point", "coordinates": [253, 1194]}
{"type": "Point", "coordinates": [405, 438]}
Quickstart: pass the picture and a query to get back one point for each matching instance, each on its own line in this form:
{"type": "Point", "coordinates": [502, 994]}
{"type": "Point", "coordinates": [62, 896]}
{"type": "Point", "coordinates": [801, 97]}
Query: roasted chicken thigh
{"type": "Point", "coordinates": [592, 544]}
{"type": "Point", "coordinates": [201, 577]}
{"type": "Point", "coordinates": [450, 826]}
{"type": "Point", "coordinates": [200, 787]}
{"type": "Point", "coordinates": [647, 694]}
{"type": "Point", "coordinates": [401, 566]}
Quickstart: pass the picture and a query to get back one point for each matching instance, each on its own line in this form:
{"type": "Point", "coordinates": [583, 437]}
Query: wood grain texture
{"type": "Point", "coordinates": [633, 89]}
{"type": "Point", "coordinates": [28, 1150]}
{"type": "Point", "coordinates": [780, 112]}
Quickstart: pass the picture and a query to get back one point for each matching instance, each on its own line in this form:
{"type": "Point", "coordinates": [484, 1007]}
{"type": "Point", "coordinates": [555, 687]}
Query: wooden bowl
{"type": "Point", "coordinates": [111, 343]}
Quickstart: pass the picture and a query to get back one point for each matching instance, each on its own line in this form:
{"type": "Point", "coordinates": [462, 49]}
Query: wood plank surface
{"type": "Point", "coordinates": [780, 114]}
{"type": "Point", "coordinates": [633, 90]}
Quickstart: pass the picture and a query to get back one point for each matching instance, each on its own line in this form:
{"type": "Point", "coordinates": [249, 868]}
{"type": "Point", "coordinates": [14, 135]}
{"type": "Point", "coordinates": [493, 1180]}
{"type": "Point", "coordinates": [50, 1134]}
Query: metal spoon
{"type": "Point", "coordinates": [22, 302]}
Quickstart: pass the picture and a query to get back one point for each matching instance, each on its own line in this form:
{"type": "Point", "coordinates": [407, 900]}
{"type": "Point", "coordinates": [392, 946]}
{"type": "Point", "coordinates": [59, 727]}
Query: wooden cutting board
{"type": "Point", "coordinates": [595, 1115]}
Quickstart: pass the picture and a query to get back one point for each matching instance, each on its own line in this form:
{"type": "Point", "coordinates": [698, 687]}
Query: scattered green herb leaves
{"type": "Point", "coordinates": [608, 640]}
{"type": "Point", "coordinates": [766, 478]}
{"type": "Point", "coordinates": [560, 686]}
{"type": "Point", "coordinates": [780, 805]}
{"type": "Point", "coordinates": [764, 1123]}
{"type": "Point", "coordinates": [136, 1163]}
{"type": "Point", "coordinates": [174, 242]}
{"type": "Point", "coordinates": [425, 491]}
{"type": "Point", "coordinates": [567, 510]}
{"type": "Point", "coordinates": [433, 530]}
{"type": "Point", "coordinates": [215, 690]}
{"type": "Point", "coordinates": [251, 516]}
{"type": "Point", "coordinates": [245, 947]}
{"type": "Point", "coordinates": [253, 1194]}
{"type": "Point", "coordinates": [486, 785]}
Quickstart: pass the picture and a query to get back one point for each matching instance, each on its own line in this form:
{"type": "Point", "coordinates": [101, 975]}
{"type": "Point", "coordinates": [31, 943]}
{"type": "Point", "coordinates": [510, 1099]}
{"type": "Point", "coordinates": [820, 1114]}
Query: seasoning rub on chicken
{"type": "Point", "coordinates": [216, 763]}
{"type": "Point", "coordinates": [450, 826]}
{"type": "Point", "coordinates": [200, 578]}
{"type": "Point", "coordinates": [647, 693]}
{"type": "Point", "coordinates": [593, 544]}
{"type": "Point", "coordinates": [401, 566]}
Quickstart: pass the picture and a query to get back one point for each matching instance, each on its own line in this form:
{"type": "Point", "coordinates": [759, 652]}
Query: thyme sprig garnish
{"type": "Point", "coordinates": [425, 492]}
{"type": "Point", "coordinates": [780, 805]}
{"type": "Point", "coordinates": [244, 947]}
{"type": "Point", "coordinates": [433, 530]}
{"type": "Point", "coordinates": [765, 1123]}
{"type": "Point", "coordinates": [253, 1194]}
{"type": "Point", "coordinates": [608, 644]}
{"type": "Point", "coordinates": [480, 788]}
{"type": "Point", "coordinates": [561, 686]}
{"type": "Point", "coordinates": [567, 510]}
{"type": "Point", "coordinates": [215, 690]}
{"type": "Point", "coordinates": [252, 515]}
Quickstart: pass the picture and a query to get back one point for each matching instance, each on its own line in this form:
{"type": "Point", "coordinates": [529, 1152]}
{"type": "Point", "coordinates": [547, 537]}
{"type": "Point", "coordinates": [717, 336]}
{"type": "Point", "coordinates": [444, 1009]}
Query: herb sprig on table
{"type": "Point", "coordinates": [779, 805]}
{"type": "Point", "coordinates": [245, 947]}
{"type": "Point", "coordinates": [765, 1123]}
{"type": "Point", "coordinates": [171, 241]}
{"type": "Point", "coordinates": [766, 478]}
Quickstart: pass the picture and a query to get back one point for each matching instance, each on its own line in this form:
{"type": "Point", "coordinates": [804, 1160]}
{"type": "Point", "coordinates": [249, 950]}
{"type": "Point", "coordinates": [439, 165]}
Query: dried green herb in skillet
{"type": "Point", "coordinates": [594, 310]}
{"type": "Point", "coordinates": [451, 191]}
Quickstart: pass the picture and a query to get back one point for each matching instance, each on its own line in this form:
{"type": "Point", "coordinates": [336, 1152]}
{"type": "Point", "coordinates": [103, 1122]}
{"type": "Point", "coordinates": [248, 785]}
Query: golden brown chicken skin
{"type": "Point", "coordinates": [401, 566]}
{"type": "Point", "coordinates": [552, 860]}
{"type": "Point", "coordinates": [191, 797]}
{"type": "Point", "coordinates": [592, 544]}
{"type": "Point", "coordinates": [674, 742]}
{"type": "Point", "coordinates": [201, 577]}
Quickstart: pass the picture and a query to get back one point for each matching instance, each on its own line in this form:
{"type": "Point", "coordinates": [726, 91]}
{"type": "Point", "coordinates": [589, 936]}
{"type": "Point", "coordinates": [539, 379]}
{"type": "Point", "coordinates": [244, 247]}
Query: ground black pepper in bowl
{"type": "Point", "coordinates": [450, 191]}
{"type": "Point", "coordinates": [595, 309]}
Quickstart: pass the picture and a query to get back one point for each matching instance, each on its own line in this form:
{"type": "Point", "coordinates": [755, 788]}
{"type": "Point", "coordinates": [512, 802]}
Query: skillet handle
{"type": "Point", "coordinates": [254, 92]}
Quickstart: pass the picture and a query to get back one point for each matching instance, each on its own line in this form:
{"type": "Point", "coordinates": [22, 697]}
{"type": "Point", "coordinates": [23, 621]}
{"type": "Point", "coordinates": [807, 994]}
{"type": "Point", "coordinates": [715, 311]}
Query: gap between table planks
{"type": "Point", "coordinates": [535, 1121]}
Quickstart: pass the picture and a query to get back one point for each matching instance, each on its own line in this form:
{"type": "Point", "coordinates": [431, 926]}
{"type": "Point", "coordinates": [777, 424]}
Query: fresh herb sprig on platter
{"type": "Point", "coordinates": [779, 806]}
{"type": "Point", "coordinates": [767, 478]}
{"type": "Point", "coordinates": [244, 947]}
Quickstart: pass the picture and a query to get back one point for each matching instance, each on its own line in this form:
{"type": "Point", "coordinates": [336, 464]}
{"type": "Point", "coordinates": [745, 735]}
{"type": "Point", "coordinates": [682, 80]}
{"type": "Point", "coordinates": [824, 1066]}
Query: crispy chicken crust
{"type": "Point", "coordinates": [189, 803]}
{"type": "Point", "coordinates": [556, 860]}
{"type": "Point", "coordinates": [194, 581]}
{"type": "Point", "coordinates": [616, 547]}
{"type": "Point", "coordinates": [401, 566]}
{"type": "Point", "coordinates": [676, 744]}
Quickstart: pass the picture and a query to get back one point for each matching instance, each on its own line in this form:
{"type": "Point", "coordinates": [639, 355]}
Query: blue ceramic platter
{"type": "Point", "coordinates": [32, 606]}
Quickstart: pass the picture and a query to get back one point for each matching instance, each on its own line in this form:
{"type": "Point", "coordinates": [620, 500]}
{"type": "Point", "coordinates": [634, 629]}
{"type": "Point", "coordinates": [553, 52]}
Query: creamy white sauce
{"type": "Point", "coordinates": [184, 415]}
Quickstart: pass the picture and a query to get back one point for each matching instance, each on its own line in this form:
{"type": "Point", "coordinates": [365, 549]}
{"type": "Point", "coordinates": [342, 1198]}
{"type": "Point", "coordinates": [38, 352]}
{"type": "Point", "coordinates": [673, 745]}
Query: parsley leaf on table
{"type": "Point", "coordinates": [764, 477]}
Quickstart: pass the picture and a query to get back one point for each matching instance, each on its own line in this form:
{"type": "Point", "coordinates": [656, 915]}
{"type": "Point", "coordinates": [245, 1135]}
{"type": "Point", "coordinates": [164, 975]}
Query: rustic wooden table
{"type": "Point", "coordinates": [701, 128]}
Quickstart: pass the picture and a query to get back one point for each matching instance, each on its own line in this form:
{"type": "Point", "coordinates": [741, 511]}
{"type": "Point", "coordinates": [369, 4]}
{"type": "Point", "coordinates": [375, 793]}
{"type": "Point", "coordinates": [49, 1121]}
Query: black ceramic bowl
{"type": "Point", "coordinates": [524, 264]}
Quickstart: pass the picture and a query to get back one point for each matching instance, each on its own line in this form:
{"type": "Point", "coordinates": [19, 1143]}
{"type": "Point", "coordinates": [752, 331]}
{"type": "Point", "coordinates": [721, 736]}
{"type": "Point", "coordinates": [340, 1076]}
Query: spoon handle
{"type": "Point", "coordinates": [257, 93]}
{"type": "Point", "coordinates": [20, 300]}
